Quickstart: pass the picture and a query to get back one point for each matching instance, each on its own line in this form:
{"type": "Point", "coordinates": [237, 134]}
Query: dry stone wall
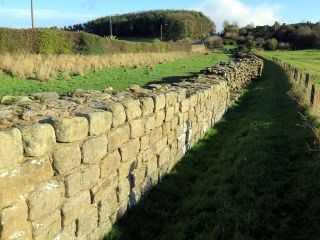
{"type": "Point", "coordinates": [80, 161]}
{"type": "Point", "coordinates": [307, 84]}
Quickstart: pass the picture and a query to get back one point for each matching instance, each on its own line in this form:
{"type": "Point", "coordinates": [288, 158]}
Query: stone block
{"type": "Point", "coordinates": [138, 176]}
{"type": "Point", "coordinates": [185, 105]}
{"type": "Point", "coordinates": [160, 145]}
{"type": "Point", "coordinates": [73, 184]}
{"type": "Point", "coordinates": [132, 109]}
{"type": "Point", "coordinates": [126, 168]}
{"type": "Point", "coordinates": [160, 116]}
{"type": "Point", "coordinates": [68, 232]}
{"type": "Point", "coordinates": [67, 158]}
{"type": "Point", "coordinates": [164, 157]}
{"type": "Point", "coordinates": [169, 114]}
{"type": "Point", "coordinates": [130, 150]}
{"type": "Point", "coordinates": [47, 198]}
{"type": "Point", "coordinates": [104, 189]}
{"type": "Point", "coordinates": [150, 123]}
{"type": "Point", "coordinates": [11, 150]}
{"type": "Point", "coordinates": [118, 136]}
{"type": "Point", "coordinates": [110, 164]}
{"type": "Point", "coordinates": [144, 142]}
{"type": "Point", "coordinates": [182, 93]}
{"type": "Point", "coordinates": [136, 128]}
{"type": "Point", "coordinates": [118, 113]}
{"type": "Point", "coordinates": [13, 221]}
{"type": "Point", "coordinates": [123, 191]}
{"type": "Point", "coordinates": [47, 227]}
{"type": "Point", "coordinates": [100, 232]}
{"type": "Point", "coordinates": [87, 221]}
{"type": "Point", "coordinates": [166, 128]}
{"type": "Point", "coordinates": [90, 177]}
{"type": "Point", "coordinates": [72, 207]}
{"type": "Point", "coordinates": [38, 139]}
{"type": "Point", "coordinates": [171, 99]}
{"type": "Point", "coordinates": [71, 129]}
{"type": "Point", "coordinates": [23, 179]}
{"type": "Point", "coordinates": [108, 206]}
{"type": "Point", "coordinates": [155, 135]}
{"type": "Point", "coordinates": [147, 106]}
{"type": "Point", "coordinates": [99, 122]}
{"type": "Point", "coordinates": [148, 155]}
{"type": "Point", "coordinates": [94, 149]}
{"type": "Point", "coordinates": [159, 102]}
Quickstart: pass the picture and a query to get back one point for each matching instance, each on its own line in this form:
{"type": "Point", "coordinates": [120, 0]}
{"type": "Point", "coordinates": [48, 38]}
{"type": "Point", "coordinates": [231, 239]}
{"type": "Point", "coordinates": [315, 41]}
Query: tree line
{"type": "Point", "coordinates": [176, 25]}
{"type": "Point", "coordinates": [278, 36]}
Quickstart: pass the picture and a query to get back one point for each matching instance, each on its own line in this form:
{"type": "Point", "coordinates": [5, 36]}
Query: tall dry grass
{"type": "Point", "coordinates": [46, 67]}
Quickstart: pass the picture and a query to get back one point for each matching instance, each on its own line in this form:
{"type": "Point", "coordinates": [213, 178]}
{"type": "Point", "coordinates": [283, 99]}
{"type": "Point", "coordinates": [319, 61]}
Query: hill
{"type": "Point", "coordinates": [177, 24]}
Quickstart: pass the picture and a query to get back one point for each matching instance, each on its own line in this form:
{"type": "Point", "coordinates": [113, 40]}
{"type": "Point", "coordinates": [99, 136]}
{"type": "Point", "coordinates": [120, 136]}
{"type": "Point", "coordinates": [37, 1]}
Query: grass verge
{"type": "Point", "coordinates": [252, 177]}
{"type": "Point", "coordinates": [119, 77]}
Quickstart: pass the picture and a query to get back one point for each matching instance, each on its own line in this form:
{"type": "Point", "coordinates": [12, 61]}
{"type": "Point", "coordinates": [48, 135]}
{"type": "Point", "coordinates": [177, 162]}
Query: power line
{"type": "Point", "coordinates": [32, 17]}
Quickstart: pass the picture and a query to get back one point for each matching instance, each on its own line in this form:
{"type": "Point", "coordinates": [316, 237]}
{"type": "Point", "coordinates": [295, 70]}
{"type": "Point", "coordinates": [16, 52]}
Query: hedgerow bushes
{"type": "Point", "coordinates": [53, 41]}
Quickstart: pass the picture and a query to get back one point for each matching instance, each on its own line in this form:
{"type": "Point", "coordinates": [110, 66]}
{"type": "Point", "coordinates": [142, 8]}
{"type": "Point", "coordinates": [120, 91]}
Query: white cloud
{"type": "Point", "coordinates": [235, 10]}
{"type": "Point", "coordinates": [43, 17]}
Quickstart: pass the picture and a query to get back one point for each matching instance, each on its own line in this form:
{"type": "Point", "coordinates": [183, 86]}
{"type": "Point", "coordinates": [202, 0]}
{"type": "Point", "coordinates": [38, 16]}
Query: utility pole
{"type": "Point", "coordinates": [201, 30]}
{"type": "Point", "coordinates": [161, 32]}
{"type": "Point", "coordinates": [32, 18]}
{"type": "Point", "coordinates": [110, 26]}
{"type": "Point", "coordinates": [186, 29]}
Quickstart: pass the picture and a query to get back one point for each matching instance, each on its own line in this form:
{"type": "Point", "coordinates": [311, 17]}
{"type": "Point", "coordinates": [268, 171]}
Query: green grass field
{"type": "Point", "coordinates": [252, 177]}
{"type": "Point", "coordinates": [307, 60]}
{"type": "Point", "coordinates": [119, 78]}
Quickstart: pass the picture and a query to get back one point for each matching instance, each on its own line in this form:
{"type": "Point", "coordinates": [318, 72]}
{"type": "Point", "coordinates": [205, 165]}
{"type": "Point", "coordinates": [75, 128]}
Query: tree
{"type": "Point", "coordinates": [271, 44]}
{"type": "Point", "coordinates": [214, 42]}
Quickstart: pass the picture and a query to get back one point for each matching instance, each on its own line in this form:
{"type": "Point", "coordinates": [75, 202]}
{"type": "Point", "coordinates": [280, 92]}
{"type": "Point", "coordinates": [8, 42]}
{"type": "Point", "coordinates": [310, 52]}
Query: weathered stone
{"type": "Point", "coordinates": [144, 142]}
{"type": "Point", "coordinates": [164, 157]}
{"type": "Point", "coordinates": [94, 149]}
{"type": "Point", "coordinates": [110, 164]}
{"type": "Point", "coordinates": [87, 221]}
{"type": "Point", "coordinates": [100, 232]}
{"type": "Point", "coordinates": [159, 102]}
{"type": "Point", "coordinates": [108, 206]}
{"type": "Point", "coordinates": [147, 106]}
{"type": "Point", "coordinates": [136, 128]}
{"type": "Point", "coordinates": [47, 198]}
{"type": "Point", "coordinates": [72, 207]}
{"type": "Point", "coordinates": [118, 113]}
{"type": "Point", "coordinates": [132, 108]}
{"type": "Point", "coordinates": [90, 177]}
{"type": "Point", "coordinates": [99, 122]}
{"type": "Point", "coordinates": [68, 232]}
{"type": "Point", "coordinates": [11, 150]}
{"type": "Point", "coordinates": [13, 221]}
{"type": "Point", "coordinates": [38, 139]}
{"type": "Point", "coordinates": [47, 227]}
{"type": "Point", "coordinates": [125, 169]}
{"type": "Point", "coordinates": [123, 191]}
{"type": "Point", "coordinates": [160, 116]}
{"type": "Point", "coordinates": [169, 114]}
{"type": "Point", "coordinates": [67, 158]}
{"type": "Point", "coordinates": [118, 137]}
{"type": "Point", "coordinates": [185, 105]}
{"type": "Point", "coordinates": [160, 145]}
{"type": "Point", "coordinates": [73, 184]}
{"type": "Point", "coordinates": [104, 189]}
{"type": "Point", "coordinates": [171, 99]}
{"type": "Point", "coordinates": [150, 123]}
{"type": "Point", "coordinates": [23, 179]}
{"type": "Point", "coordinates": [130, 150]}
{"type": "Point", "coordinates": [71, 129]}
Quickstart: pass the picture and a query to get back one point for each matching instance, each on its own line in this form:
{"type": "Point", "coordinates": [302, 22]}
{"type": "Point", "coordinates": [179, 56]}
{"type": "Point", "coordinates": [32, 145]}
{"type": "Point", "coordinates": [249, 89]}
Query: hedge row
{"type": "Point", "coordinates": [52, 41]}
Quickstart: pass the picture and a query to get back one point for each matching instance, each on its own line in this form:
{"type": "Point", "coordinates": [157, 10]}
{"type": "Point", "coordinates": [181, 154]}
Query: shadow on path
{"type": "Point", "coordinates": [252, 177]}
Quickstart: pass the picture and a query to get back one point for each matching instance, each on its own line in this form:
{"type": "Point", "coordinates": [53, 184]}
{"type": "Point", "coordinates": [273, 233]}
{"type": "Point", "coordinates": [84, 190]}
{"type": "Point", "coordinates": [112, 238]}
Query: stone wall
{"type": "Point", "coordinates": [307, 84]}
{"type": "Point", "coordinates": [71, 165]}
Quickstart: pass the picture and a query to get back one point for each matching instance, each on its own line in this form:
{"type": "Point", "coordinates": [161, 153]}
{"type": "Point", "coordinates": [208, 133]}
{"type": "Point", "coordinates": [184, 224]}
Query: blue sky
{"type": "Point", "coordinates": [16, 13]}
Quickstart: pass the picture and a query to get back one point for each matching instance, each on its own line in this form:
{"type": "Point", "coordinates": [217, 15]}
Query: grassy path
{"type": "Point", "coordinates": [251, 178]}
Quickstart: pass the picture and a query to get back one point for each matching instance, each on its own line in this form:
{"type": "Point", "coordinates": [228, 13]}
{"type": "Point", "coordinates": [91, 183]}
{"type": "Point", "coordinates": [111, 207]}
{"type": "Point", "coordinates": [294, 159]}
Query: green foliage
{"type": "Point", "coordinates": [252, 177]}
{"type": "Point", "coordinates": [214, 42]}
{"type": "Point", "coordinates": [271, 44]}
{"type": "Point", "coordinates": [177, 24]}
{"type": "Point", "coordinates": [119, 78]}
{"type": "Point", "coordinates": [53, 41]}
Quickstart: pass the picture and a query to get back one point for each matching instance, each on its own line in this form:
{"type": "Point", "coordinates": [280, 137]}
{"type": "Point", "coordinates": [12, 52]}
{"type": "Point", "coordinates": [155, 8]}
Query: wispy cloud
{"type": "Point", "coordinates": [43, 17]}
{"type": "Point", "coordinates": [235, 10]}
